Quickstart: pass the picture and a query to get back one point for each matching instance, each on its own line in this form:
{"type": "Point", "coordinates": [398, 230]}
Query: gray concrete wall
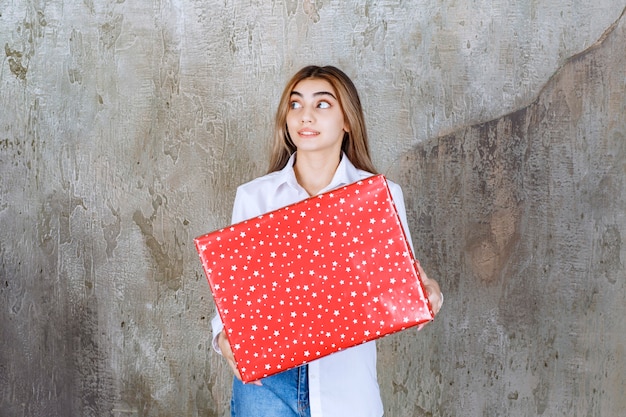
{"type": "Point", "coordinates": [126, 126]}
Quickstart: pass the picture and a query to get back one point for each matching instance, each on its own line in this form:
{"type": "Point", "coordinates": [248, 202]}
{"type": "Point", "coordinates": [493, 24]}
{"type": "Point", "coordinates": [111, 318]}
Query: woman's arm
{"type": "Point", "coordinates": [432, 287]}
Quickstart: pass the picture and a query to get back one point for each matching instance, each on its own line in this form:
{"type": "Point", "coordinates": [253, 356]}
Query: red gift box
{"type": "Point", "coordinates": [312, 278]}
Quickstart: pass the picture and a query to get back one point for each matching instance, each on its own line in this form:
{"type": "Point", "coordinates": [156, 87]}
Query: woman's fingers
{"type": "Point", "coordinates": [227, 352]}
{"type": "Point", "coordinates": [433, 291]}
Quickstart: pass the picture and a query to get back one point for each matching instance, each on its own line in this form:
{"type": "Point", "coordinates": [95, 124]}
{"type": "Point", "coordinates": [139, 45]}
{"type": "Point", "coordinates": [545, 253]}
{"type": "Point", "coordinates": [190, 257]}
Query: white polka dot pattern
{"type": "Point", "coordinates": [313, 278]}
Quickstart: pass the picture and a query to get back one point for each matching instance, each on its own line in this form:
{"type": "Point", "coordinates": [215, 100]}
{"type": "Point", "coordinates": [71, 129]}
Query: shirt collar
{"type": "Point", "coordinates": [345, 174]}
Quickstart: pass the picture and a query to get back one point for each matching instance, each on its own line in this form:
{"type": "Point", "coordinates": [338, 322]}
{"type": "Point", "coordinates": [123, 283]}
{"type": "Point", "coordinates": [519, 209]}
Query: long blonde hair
{"type": "Point", "coordinates": [354, 144]}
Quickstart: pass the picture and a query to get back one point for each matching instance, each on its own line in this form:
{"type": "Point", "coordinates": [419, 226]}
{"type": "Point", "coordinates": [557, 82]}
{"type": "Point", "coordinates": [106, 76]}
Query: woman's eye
{"type": "Point", "coordinates": [323, 105]}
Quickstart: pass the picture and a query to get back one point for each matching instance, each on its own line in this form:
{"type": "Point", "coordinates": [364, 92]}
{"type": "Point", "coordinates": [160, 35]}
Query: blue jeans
{"type": "Point", "coordinates": [285, 394]}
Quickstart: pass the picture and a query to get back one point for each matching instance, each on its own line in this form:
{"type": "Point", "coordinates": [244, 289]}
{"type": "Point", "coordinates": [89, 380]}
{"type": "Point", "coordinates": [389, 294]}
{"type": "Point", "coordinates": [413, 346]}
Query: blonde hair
{"type": "Point", "coordinates": [354, 144]}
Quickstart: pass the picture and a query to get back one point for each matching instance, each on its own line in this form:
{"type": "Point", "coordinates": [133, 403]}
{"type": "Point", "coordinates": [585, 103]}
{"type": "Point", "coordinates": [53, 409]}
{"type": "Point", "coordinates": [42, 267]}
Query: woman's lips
{"type": "Point", "coordinates": [307, 132]}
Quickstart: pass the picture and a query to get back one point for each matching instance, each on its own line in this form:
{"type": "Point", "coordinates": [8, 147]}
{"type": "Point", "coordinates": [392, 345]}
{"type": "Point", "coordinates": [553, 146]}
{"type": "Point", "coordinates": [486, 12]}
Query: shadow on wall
{"type": "Point", "coordinates": [522, 220]}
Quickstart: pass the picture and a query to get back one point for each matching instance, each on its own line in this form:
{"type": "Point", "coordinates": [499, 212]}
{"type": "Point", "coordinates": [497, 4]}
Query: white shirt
{"type": "Point", "coordinates": [343, 383]}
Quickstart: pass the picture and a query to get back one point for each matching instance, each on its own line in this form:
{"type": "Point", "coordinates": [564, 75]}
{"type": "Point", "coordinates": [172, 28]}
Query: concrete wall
{"type": "Point", "coordinates": [126, 126]}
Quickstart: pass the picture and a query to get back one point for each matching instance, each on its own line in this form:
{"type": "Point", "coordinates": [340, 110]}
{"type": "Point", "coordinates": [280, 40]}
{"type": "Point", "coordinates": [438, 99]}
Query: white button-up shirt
{"type": "Point", "coordinates": [343, 383]}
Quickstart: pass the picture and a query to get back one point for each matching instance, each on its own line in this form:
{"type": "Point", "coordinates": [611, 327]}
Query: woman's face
{"type": "Point", "coordinates": [315, 119]}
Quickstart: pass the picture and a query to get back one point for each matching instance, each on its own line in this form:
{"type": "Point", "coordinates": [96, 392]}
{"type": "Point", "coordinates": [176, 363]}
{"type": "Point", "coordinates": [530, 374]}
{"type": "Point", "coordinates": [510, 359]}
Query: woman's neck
{"type": "Point", "coordinates": [315, 172]}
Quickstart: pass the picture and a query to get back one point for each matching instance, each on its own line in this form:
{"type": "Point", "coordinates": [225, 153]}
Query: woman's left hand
{"type": "Point", "coordinates": [432, 290]}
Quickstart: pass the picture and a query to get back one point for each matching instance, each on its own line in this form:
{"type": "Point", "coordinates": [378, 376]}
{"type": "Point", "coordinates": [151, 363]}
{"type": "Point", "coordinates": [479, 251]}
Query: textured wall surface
{"type": "Point", "coordinates": [126, 126]}
{"type": "Point", "coordinates": [524, 218]}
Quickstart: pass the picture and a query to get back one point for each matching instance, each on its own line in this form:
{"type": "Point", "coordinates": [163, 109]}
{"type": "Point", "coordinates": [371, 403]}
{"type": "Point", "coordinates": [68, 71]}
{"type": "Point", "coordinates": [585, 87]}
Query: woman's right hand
{"type": "Point", "coordinates": [227, 353]}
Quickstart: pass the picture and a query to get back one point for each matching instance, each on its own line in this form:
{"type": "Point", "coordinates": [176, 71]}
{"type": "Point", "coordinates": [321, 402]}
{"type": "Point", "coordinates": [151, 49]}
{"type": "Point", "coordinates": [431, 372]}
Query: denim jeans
{"type": "Point", "coordinates": [285, 394]}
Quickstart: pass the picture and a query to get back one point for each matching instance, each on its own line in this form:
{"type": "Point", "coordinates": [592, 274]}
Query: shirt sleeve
{"type": "Point", "coordinates": [398, 200]}
{"type": "Point", "coordinates": [217, 326]}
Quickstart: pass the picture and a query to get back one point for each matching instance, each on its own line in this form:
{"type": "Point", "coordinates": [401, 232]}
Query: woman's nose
{"type": "Point", "coordinates": [307, 115]}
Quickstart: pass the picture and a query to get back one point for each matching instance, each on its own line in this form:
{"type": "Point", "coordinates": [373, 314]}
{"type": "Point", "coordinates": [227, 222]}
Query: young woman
{"type": "Point", "coordinates": [320, 143]}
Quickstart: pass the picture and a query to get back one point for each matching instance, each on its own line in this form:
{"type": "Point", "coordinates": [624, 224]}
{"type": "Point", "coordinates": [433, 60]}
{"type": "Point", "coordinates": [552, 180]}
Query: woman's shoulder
{"type": "Point", "coordinates": [361, 175]}
{"type": "Point", "coordinates": [263, 190]}
{"type": "Point", "coordinates": [393, 184]}
{"type": "Point", "coordinates": [273, 179]}
{"type": "Point", "coordinates": [256, 196]}
{"type": "Point", "coordinates": [356, 174]}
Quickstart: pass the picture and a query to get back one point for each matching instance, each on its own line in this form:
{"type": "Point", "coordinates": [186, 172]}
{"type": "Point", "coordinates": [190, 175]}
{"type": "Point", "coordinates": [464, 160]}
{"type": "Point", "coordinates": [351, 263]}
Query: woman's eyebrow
{"type": "Point", "coordinates": [319, 93]}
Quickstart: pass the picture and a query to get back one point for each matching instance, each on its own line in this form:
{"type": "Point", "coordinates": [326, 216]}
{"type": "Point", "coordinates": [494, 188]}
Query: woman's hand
{"type": "Point", "coordinates": [227, 353]}
{"type": "Point", "coordinates": [432, 290]}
